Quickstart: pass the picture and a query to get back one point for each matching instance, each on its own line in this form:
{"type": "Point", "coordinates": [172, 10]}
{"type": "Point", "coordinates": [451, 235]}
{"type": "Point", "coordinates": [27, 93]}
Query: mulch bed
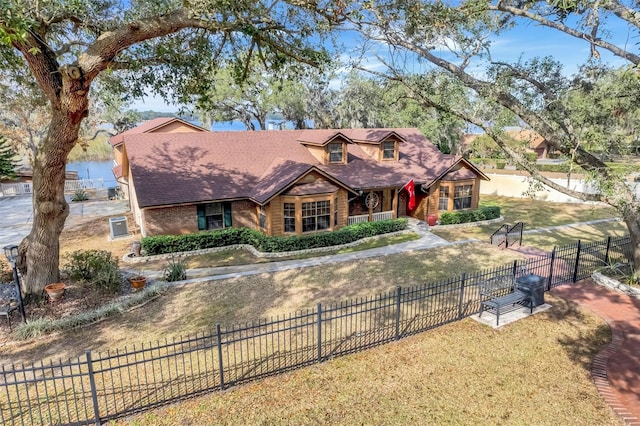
{"type": "Point", "coordinates": [77, 298]}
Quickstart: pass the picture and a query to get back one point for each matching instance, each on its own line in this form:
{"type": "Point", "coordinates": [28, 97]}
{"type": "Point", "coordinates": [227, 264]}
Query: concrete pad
{"type": "Point", "coordinates": [507, 317]}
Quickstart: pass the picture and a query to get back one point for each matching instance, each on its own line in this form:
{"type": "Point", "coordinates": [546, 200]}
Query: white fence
{"type": "Point", "coordinates": [365, 217]}
{"type": "Point", "coordinates": [25, 188]}
{"type": "Point", "coordinates": [517, 186]}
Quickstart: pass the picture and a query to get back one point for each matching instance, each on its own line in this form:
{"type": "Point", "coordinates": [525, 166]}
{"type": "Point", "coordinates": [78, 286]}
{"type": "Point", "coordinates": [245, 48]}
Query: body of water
{"type": "Point", "coordinates": [94, 170]}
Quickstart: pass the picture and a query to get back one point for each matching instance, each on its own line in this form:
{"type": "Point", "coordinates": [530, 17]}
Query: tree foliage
{"type": "Point", "coordinates": [63, 47]}
{"type": "Point", "coordinates": [8, 162]}
{"type": "Point", "coordinates": [449, 42]}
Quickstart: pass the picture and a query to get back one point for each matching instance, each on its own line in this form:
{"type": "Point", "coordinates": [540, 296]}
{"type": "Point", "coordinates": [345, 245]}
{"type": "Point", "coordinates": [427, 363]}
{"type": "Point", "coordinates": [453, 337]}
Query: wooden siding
{"type": "Point", "coordinates": [176, 127]}
{"type": "Point", "coordinates": [318, 152]}
{"type": "Point", "coordinates": [372, 151]}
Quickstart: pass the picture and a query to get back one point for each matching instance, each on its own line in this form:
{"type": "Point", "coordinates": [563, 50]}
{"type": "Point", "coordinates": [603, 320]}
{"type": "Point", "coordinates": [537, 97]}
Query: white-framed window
{"type": "Point", "coordinates": [214, 216]}
{"type": "Point", "coordinates": [388, 150]}
{"type": "Point", "coordinates": [214, 213]}
{"type": "Point", "coordinates": [263, 218]}
{"type": "Point", "coordinates": [462, 197]}
{"type": "Point", "coordinates": [289, 213]}
{"type": "Point", "coordinates": [443, 199]}
{"type": "Point", "coordinates": [316, 216]}
{"type": "Point", "coordinates": [335, 152]}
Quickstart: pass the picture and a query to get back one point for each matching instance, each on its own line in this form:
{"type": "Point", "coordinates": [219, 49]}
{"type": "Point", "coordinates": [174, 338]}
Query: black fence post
{"type": "Point", "coordinates": [515, 267]}
{"type": "Point", "coordinates": [220, 364]}
{"type": "Point", "coordinates": [575, 269]}
{"type": "Point", "coordinates": [463, 280]}
{"type": "Point", "coordinates": [92, 384]}
{"type": "Point", "coordinates": [606, 254]}
{"type": "Point", "coordinates": [521, 232]}
{"type": "Point", "coordinates": [319, 332]}
{"type": "Point", "coordinates": [398, 295]}
{"type": "Point", "coordinates": [551, 264]}
{"type": "Point", "coordinates": [506, 237]}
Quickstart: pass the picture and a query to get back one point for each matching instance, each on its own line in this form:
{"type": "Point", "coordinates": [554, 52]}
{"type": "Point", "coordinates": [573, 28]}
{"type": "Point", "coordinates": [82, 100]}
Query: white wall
{"type": "Point", "coordinates": [515, 186]}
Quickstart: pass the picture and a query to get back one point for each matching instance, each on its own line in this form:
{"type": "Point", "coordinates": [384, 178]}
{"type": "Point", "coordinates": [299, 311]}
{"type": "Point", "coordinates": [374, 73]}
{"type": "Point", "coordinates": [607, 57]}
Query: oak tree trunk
{"type": "Point", "coordinates": [41, 248]}
{"type": "Point", "coordinates": [632, 220]}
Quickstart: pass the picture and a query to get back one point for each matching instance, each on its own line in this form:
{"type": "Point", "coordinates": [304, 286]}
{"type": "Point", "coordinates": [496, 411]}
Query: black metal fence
{"type": "Point", "coordinates": [508, 235]}
{"type": "Point", "coordinates": [99, 386]}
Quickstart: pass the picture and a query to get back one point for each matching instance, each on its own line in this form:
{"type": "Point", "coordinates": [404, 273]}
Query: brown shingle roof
{"type": "Point", "coordinates": [182, 168]}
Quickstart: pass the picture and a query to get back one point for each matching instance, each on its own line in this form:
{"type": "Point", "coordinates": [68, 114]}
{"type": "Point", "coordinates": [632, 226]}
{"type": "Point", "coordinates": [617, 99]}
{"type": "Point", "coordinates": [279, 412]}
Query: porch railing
{"type": "Point", "coordinates": [22, 188]}
{"type": "Point", "coordinates": [365, 217]}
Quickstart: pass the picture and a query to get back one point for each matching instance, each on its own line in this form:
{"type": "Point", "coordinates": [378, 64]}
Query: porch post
{"type": "Point", "coordinates": [394, 204]}
{"type": "Point", "coordinates": [371, 206]}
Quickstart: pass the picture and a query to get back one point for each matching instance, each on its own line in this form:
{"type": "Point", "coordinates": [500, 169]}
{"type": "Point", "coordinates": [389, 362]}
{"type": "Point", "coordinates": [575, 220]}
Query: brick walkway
{"type": "Point", "coordinates": [616, 369]}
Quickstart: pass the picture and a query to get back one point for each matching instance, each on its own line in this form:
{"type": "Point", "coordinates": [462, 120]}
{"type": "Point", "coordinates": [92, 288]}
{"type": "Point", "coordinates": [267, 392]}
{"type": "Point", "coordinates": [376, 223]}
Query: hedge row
{"type": "Point", "coordinates": [163, 244]}
{"type": "Point", "coordinates": [465, 216]}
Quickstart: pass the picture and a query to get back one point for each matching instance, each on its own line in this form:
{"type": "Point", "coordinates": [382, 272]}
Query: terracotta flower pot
{"type": "Point", "coordinates": [138, 282]}
{"type": "Point", "coordinates": [54, 291]}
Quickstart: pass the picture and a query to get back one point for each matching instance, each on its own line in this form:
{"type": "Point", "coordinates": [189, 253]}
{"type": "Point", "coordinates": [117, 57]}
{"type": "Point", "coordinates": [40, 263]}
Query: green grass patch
{"type": "Point", "coordinates": [462, 373]}
{"type": "Point", "coordinates": [585, 233]}
{"type": "Point", "coordinates": [244, 257]}
{"type": "Point", "coordinates": [535, 214]}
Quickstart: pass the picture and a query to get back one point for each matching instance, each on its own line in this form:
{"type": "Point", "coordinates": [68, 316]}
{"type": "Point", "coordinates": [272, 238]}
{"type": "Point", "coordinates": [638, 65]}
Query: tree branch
{"type": "Point", "coordinates": [43, 63]}
{"type": "Point", "coordinates": [501, 7]}
{"type": "Point", "coordinates": [548, 94]}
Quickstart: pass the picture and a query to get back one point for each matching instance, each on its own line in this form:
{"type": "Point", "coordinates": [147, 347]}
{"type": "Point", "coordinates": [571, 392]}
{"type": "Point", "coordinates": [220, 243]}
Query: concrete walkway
{"type": "Point", "coordinates": [16, 215]}
{"type": "Point", "coordinates": [426, 241]}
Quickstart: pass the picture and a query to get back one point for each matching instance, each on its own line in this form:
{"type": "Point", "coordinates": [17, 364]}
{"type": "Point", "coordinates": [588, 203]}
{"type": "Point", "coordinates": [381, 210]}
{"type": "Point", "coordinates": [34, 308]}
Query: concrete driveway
{"type": "Point", "coordinates": [16, 215]}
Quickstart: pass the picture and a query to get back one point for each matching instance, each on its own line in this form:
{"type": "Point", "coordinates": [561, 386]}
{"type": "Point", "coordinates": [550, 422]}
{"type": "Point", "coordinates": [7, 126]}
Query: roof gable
{"type": "Point", "coordinates": [159, 124]}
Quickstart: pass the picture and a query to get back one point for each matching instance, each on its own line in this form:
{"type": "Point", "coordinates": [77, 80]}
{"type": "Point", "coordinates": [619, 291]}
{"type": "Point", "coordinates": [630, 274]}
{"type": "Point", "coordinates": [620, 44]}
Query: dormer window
{"type": "Point", "coordinates": [336, 152]}
{"type": "Point", "coordinates": [389, 150]}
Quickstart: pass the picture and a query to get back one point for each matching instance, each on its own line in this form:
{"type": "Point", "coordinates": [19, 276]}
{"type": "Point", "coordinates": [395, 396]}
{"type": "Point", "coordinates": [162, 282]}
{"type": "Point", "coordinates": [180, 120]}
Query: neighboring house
{"type": "Point", "coordinates": [534, 141]}
{"type": "Point", "coordinates": [285, 182]}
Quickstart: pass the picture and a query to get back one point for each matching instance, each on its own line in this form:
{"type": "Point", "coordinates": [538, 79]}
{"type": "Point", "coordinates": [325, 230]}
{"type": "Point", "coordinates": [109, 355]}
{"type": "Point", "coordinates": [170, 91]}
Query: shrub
{"type": "Point", "coordinates": [176, 270]}
{"type": "Point", "coordinates": [560, 168]}
{"type": "Point", "coordinates": [532, 157]}
{"type": "Point", "coordinates": [80, 195]}
{"type": "Point", "coordinates": [163, 244]}
{"type": "Point", "coordinates": [97, 267]}
{"type": "Point", "coordinates": [465, 216]}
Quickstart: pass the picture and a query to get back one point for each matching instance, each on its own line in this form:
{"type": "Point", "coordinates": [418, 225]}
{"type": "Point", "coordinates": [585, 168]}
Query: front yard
{"type": "Point", "coordinates": [540, 214]}
{"type": "Point", "coordinates": [536, 369]}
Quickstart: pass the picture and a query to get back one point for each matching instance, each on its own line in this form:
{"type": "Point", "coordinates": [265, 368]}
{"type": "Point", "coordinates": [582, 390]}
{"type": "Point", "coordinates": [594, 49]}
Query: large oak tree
{"type": "Point", "coordinates": [159, 46]}
{"type": "Point", "coordinates": [451, 49]}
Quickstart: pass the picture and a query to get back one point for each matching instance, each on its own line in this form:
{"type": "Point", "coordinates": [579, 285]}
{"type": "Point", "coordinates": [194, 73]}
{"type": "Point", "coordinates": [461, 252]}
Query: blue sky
{"type": "Point", "coordinates": [527, 40]}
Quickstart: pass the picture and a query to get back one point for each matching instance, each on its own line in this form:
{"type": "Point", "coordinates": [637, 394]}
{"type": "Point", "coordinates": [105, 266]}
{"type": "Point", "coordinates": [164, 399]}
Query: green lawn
{"type": "Point", "coordinates": [244, 257]}
{"type": "Point", "coordinates": [535, 214]}
{"type": "Point", "coordinates": [535, 371]}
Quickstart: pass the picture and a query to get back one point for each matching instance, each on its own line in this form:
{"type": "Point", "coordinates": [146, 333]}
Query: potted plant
{"type": "Point", "coordinates": [138, 281]}
{"type": "Point", "coordinates": [54, 291]}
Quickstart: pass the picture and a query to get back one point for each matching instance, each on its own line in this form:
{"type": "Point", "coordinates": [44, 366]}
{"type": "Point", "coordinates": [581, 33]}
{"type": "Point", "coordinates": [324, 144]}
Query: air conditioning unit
{"type": "Point", "coordinates": [118, 227]}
